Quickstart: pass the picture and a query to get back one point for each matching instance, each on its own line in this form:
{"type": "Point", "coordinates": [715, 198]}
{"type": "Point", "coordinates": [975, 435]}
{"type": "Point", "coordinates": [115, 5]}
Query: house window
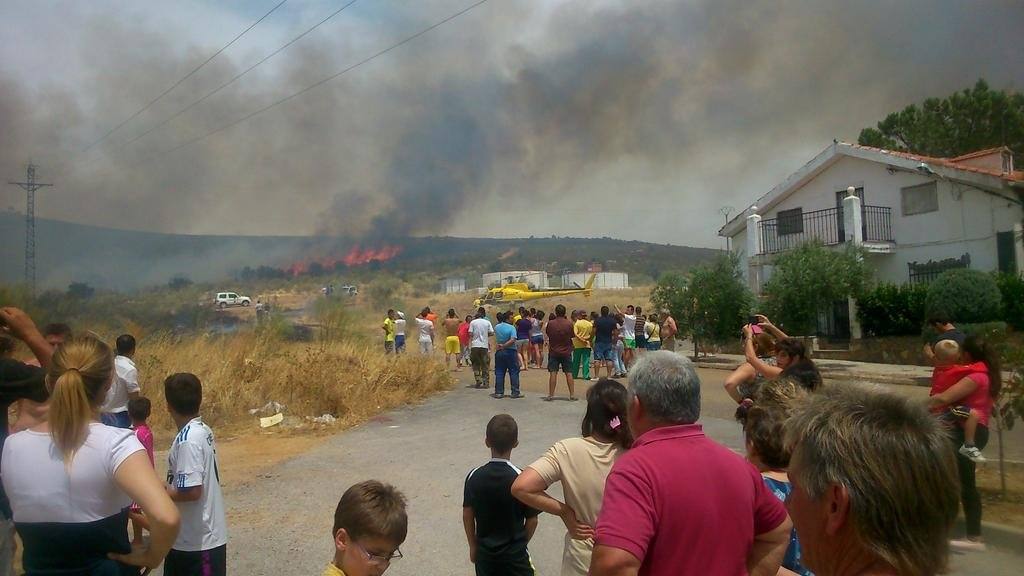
{"type": "Point", "coordinates": [919, 199]}
{"type": "Point", "coordinates": [790, 221]}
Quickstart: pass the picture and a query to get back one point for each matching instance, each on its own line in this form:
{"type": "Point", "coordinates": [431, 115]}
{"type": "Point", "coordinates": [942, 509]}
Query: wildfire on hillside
{"type": "Point", "coordinates": [356, 256]}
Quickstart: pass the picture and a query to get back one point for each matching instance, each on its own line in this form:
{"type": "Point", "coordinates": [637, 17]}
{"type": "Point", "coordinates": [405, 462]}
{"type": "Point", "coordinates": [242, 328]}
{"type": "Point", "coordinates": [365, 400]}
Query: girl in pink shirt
{"type": "Point", "coordinates": [138, 410]}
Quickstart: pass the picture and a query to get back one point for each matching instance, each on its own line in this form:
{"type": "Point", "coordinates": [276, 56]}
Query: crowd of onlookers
{"type": "Point", "coordinates": [575, 343]}
{"type": "Point", "coordinates": [837, 478]}
{"type": "Point", "coordinates": [78, 465]}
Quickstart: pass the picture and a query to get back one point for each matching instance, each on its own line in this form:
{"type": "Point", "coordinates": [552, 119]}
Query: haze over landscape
{"type": "Point", "coordinates": [559, 117]}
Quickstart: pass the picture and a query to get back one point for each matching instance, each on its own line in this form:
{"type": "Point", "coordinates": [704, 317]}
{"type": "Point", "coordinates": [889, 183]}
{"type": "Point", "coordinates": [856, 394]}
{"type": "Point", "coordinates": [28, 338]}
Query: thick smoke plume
{"type": "Point", "coordinates": [519, 118]}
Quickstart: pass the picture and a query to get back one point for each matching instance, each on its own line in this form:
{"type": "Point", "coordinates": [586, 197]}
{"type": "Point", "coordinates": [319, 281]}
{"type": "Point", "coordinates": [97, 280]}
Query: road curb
{"type": "Point", "coordinates": [826, 373]}
{"type": "Point", "coordinates": [1008, 538]}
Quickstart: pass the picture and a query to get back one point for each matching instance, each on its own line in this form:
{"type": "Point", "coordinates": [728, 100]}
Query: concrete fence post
{"type": "Point", "coordinates": [853, 218]}
{"type": "Point", "coordinates": [753, 250]}
{"type": "Point", "coordinates": [853, 230]}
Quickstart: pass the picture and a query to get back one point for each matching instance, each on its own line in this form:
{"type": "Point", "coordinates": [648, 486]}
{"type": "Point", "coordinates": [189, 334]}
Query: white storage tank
{"type": "Point", "coordinates": [453, 285]}
{"type": "Point", "coordinates": [536, 278]}
{"type": "Point", "coordinates": [602, 280]}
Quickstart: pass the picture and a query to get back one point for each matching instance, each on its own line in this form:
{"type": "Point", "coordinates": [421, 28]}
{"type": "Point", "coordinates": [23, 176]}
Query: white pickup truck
{"type": "Point", "coordinates": [225, 299]}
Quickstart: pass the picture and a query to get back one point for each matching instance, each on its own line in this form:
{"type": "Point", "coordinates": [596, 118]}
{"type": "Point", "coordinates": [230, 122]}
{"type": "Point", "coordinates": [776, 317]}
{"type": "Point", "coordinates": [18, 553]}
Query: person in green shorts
{"type": "Point", "coordinates": [628, 334]}
{"type": "Point", "coordinates": [582, 340]}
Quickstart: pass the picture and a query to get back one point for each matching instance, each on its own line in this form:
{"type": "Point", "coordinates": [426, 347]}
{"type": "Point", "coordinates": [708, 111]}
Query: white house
{"type": "Point", "coordinates": [915, 215]}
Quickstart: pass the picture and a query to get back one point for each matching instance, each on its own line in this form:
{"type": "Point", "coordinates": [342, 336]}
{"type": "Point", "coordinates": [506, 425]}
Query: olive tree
{"type": "Point", "coordinates": [809, 279]}
{"type": "Point", "coordinates": [710, 303]}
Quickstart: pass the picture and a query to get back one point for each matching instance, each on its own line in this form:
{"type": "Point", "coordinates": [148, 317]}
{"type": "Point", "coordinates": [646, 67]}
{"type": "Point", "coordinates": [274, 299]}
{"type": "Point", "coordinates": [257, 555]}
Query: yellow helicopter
{"type": "Point", "coordinates": [521, 292]}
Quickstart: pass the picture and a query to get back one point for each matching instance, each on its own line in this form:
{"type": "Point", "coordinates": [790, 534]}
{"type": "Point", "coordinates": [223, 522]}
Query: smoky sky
{"type": "Point", "coordinates": [631, 119]}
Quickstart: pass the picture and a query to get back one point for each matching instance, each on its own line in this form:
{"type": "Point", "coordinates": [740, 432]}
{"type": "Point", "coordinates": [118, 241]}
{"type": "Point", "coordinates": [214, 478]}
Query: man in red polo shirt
{"type": "Point", "coordinates": [678, 503]}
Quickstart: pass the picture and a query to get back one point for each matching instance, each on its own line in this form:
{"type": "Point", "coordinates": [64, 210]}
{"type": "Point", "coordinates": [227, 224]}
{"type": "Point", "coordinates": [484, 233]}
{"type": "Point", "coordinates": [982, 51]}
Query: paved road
{"type": "Point", "coordinates": [281, 521]}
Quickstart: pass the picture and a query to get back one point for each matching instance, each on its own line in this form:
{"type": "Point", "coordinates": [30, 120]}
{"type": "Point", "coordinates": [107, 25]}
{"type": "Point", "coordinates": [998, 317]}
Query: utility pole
{"type": "Point", "coordinates": [726, 211]}
{"type": "Point", "coordinates": [30, 186]}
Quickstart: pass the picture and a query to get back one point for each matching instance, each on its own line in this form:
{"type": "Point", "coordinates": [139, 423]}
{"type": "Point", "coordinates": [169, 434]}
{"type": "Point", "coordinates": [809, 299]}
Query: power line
{"type": "Point", "coordinates": [183, 78]}
{"type": "Point", "coordinates": [235, 78]}
{"type": "Point", "coordinates": [321, 82]}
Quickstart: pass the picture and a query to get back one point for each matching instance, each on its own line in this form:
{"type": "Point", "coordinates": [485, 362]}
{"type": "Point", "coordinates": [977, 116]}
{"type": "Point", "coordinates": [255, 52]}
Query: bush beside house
{"type": "Point", "coordinates": [966, 296]}
{"type": "Point", "coordinates": [892, 310]}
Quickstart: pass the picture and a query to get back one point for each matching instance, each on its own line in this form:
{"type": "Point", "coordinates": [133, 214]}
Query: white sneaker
{"type": "Point", "coordinates": [968, 545]}
{"type": "Point", "coordinates": [972, 453]}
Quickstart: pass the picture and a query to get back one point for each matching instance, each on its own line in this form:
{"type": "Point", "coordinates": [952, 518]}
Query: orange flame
{"type": "Point", "coordinates": [356, 256]}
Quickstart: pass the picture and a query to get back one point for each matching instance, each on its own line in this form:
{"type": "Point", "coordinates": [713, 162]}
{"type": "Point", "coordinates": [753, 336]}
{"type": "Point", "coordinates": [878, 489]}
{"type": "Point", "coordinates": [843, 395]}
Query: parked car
{"type": "Point", "coordinates": [225, 299]}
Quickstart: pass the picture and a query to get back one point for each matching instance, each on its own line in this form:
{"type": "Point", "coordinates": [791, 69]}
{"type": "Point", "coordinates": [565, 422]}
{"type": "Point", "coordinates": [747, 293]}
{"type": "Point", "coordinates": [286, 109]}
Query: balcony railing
{"type": "Point", "coordinates": [825, 226]}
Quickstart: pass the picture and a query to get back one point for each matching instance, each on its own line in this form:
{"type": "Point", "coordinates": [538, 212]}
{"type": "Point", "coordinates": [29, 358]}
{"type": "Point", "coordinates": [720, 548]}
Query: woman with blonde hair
{"type": "Point", "coordinates": [71, 479]}
{"type": "Point", "coordinates": [581, 464]}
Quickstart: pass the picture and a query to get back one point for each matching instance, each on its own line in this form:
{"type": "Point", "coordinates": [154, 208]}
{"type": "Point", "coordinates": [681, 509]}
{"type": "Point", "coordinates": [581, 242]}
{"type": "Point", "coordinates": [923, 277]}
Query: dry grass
{"type": "Point", "coordinates": [347, 380]}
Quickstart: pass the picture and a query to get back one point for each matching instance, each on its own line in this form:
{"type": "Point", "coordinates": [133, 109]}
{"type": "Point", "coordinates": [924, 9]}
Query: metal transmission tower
{"type": "Point", "coordinates": [30, 186]}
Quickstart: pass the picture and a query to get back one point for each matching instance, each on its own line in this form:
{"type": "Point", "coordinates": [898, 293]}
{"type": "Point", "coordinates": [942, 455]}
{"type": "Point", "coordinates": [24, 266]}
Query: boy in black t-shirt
{"type": "Point", "coordinates": [498, 527]}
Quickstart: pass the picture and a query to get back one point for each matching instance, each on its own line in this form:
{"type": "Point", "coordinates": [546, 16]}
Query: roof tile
{"type": "Point", "coordinates": [1016, 175]}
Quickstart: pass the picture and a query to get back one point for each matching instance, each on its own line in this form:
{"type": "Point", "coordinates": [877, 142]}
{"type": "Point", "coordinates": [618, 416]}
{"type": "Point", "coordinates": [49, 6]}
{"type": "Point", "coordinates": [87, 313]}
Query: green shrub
{"type": "Point", "coordinates": [993, 333]}
{"type": "Point", "coordinates": [892, 310]}
{"type": "Point", "coordinates": [966, 296]}
{"type": "Point", "coordinates": [809, 279]}
{"type": "Point", "coordinates": [1011, 286]}
{"type": "Point", "coordinates": [710, 304]}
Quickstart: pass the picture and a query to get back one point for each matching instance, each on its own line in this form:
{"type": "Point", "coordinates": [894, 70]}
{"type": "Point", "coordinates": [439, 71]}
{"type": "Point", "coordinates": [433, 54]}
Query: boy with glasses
{"type": "Point", "coordinates": [370, 524]}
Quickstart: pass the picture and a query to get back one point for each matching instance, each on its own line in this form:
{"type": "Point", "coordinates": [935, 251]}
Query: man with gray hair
{"type": "Point", "coordinates": [874, 484]}
{"type": "Point", "coordinates": [678, 503]}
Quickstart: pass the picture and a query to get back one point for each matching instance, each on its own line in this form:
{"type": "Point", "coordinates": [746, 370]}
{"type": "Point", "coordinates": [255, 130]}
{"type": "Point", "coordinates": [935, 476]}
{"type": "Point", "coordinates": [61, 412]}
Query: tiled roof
{"type": "Point", "coordinates": [984, 152]}
{"type": "Point", "coordinates": [1016, 175]}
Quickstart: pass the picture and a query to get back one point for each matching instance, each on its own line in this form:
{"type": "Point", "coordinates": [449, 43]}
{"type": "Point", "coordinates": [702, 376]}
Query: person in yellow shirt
{"type": "Point", "coordinates": [370, 524]}
{"type": "Point", "coordinates": [389, 332]}
{"type": "Point", "coordinates": [582, 341]}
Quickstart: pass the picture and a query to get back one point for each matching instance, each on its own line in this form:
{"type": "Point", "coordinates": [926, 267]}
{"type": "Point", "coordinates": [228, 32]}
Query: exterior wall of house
{"type": "Point", "coordinates": [966, 222]}
{"type": "Point", "coordinates": [738, 245]}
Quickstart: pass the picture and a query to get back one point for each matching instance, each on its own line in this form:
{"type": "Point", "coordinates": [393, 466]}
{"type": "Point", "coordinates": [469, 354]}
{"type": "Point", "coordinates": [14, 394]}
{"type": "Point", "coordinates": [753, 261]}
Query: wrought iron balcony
{"type": "Point", "coordinates": [825, 226]}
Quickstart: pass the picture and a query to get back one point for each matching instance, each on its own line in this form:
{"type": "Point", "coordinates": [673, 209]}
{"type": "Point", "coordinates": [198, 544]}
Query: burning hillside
{"type": "Point", "coordinates": [356, 256]}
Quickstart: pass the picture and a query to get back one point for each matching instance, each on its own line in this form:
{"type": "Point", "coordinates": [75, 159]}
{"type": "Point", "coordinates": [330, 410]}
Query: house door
{"type": "Point", "coordinates": [840, 226]}
{"type": "Point", "coordinates": [834, 321]}
{"type": "Point", "coordinates": [1005, 252]}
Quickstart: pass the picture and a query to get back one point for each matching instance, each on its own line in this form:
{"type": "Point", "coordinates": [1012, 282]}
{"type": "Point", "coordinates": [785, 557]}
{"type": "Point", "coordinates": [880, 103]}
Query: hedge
{"type": "Point", "coordinates": [965, 296]}
{"type": "Point", "coordinates": [1011, 286]}
{"type": "Point", "coordinates": [892, 310]}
